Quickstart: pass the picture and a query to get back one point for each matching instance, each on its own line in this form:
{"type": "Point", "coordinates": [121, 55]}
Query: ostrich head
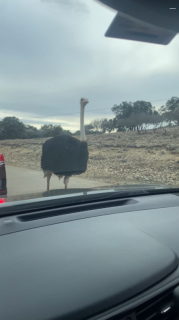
{"type": "Point", "coordinates": [83, 103]}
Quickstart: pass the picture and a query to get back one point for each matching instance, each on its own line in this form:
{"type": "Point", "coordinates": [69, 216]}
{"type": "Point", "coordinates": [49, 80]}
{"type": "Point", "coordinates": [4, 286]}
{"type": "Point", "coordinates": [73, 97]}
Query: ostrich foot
{"type": "Point", "coordinates": [65, 181]}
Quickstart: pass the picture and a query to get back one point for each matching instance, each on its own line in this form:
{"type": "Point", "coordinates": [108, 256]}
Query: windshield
{"type": "Point", "coordinates": [81, 111]}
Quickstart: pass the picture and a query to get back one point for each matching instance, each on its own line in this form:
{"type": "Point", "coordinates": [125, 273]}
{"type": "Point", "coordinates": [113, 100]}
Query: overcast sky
{"type": "Point", "coordinates": [53, 52]}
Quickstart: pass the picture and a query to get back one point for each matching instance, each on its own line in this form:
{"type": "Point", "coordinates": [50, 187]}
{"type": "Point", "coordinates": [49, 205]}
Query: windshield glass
{"type": "Point", "coordinates": [81, 111]}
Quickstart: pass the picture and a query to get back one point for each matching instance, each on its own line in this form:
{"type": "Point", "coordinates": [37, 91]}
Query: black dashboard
{"type": "Point", "coordinates": [104, 263]}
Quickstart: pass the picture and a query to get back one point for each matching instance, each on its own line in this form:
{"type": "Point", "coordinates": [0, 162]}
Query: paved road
{"type": "Point", "coordinates": [25, 181]}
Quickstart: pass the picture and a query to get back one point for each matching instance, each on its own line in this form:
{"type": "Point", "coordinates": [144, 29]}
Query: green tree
{"type": "Point", "coordinates": [110, 126]}
{"type": "Point", "coordinates": [123, 110]}
{"type": "Point", "coordinates": [96, 124]}
{"type": "Point", "coordinates": [12, 128]}
{"type": "Point", "coordinates": [31, 132]}
{"type": "Point", "coordinates": [88, 128]}
{"type": "Point", "coordinates": [135, 115]}
{"type": "Point", "coordinates": [172, 104]}
{"type": "Point", "coordinates": [142, 107]}
{"type": "Point", "coordinates": [66, 132]}
{"type": "Point", "coordinates": [49, 130]}
{"type": "Point", "coordinates": [106, 125]}
{"type": "Point", "coordinates": [171, 111]}
{"type": "Point", "coordinates": [101, 125]}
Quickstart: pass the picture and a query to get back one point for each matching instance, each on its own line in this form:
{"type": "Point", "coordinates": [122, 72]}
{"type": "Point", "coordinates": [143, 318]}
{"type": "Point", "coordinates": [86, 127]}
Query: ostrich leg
{"type": "Point", "coordinates": [65, 181]}
{"type": "Point", "coordinates": [49, 174]}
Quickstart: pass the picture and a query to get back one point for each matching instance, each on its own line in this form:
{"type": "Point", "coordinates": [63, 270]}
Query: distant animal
{"type": "Point", "coordinates": [64, 155]}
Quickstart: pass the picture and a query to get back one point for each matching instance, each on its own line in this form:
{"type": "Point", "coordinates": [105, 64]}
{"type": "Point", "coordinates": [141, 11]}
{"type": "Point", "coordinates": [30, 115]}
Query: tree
{"type": "Point", "coordinates": [88, 129]}
{"type": "Point", "coordinates": [12, 128]}
{"type": "Point", "coordinates": [49, 130]}
{"type": "Point", "coordinates": [172, 104]}
{"type": "Point", "coordinates": [142, 107]}
{"type": "Point", "coordinates": [101, 125]}
{"type": "Point", "coordinates": [157, 121]}
{"type": "Point", "coordinates": [119, 124]}
{"type": "Point", "coordinates": [106, 125]}
{"type": "Point", "coordinates": [136, 115]}
{"type": "Point", "coordinates": [31, 132]}
{"type": "Point", "coordinates": [77, 133]}
{"type": "Point", "coordinates": [123, 110]}
{"type": "Point", "coordinates": [96, 124]}
{"type": "Point", "coordinates": [66, 132]}
{"type": "Point", "coordinates": [171, 111]}
{"type": "Point", "coordinates": [134, 122]}
{"type": "Point", "coordinates": [110, 126]}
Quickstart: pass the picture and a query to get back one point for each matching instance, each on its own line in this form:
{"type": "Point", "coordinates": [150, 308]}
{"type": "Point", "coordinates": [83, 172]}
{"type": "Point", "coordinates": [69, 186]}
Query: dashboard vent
{"type": "Point", "coordinates": [161, 307]}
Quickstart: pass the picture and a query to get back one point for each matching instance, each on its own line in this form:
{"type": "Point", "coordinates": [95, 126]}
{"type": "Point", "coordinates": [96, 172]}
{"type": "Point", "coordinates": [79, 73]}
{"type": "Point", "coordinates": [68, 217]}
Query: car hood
{"type": "Point", "coordinates": [84, 191]}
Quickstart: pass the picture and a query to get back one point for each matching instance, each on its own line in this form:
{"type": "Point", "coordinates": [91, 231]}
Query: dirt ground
{"type": "Point", "coordinates": [116, 158]}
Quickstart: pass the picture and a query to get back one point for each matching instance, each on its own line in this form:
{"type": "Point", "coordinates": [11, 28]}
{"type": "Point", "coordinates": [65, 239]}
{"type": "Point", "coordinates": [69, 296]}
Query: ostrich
{"type": "Point", "coordinates": [64, 155]}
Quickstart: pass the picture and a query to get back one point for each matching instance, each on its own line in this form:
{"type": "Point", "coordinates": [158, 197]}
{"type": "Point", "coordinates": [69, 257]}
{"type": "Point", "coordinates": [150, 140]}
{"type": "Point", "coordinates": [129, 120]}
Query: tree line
{"type": "Point", "coordinates": [13, 128]}
{"type": "Point", "coordinates": [139, 115]}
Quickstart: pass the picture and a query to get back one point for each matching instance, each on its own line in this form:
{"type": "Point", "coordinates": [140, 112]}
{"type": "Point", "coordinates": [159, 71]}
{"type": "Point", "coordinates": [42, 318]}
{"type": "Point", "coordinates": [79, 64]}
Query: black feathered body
{"type": "Point", "coordinates": [64, 155]}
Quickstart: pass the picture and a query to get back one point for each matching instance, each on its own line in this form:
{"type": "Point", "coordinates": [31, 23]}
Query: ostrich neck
{"type": "Point", "coordinates": [82, 128]}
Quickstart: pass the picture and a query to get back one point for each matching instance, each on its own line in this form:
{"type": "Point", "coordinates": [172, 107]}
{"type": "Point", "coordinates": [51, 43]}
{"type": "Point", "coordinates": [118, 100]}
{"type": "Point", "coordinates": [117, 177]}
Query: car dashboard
{"type": "Point", "coordinates": [115, 259]}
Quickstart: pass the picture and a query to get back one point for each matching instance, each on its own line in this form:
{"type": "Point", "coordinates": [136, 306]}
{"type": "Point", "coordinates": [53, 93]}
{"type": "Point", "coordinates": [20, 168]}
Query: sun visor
{"type": "Point", "coordinates": [144, 20]}
{"type": "Point", "coordinates": [132, 29]}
